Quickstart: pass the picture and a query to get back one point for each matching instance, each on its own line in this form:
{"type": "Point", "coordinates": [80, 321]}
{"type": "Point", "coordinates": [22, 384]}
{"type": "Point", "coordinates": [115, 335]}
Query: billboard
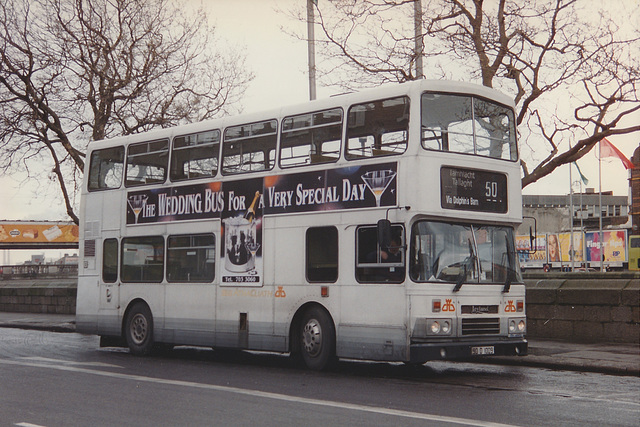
{"type": "Point", "coordinates": [17, 235]}
{"type": "Point", "coordinates": [535, 259]}
{"type": "Point", "coordinates": [555, 248]}
{"type": "Point", "coordinates": [565, 247]}
{"type": "Point", "coordinates": [613, 250]}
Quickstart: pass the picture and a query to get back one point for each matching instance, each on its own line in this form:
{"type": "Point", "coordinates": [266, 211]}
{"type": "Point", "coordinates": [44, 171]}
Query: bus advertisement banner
{"type": "Point", "coordinates": [331, 189]}
{"type": "Point", "coordinates": [615, 247]}
{"type": "Point", "coordinates": [535, 259]}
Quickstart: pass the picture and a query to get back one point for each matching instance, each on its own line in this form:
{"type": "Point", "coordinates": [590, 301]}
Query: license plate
{"type": "Point", "coordinates": [479, 351]}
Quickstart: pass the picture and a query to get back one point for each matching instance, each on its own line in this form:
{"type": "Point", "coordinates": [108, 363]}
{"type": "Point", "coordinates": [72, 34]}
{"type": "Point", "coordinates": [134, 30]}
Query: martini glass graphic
{"type": "Point", "coordinates": [378, 181]}
{"type": "Point", "coordinates": [137, 203]}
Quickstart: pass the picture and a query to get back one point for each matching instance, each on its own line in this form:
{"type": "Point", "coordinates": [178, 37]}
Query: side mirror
{"type": "Point", "coordinates": [384, 233]}
{"type": "Point", "coordinates": [533, 231]}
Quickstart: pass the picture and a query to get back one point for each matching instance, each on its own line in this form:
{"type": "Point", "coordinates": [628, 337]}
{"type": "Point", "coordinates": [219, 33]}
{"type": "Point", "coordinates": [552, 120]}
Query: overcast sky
{"type": "Point", "coordinates": [279, 63]}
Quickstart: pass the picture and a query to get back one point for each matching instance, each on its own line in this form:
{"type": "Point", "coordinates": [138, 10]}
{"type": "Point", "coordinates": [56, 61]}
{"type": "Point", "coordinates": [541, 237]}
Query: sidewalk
{"type": "Point", "coordinates": [607, 358]}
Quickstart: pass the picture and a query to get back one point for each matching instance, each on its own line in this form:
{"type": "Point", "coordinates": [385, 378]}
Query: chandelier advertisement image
{"type": "Point", "coordinates": [242, 204]}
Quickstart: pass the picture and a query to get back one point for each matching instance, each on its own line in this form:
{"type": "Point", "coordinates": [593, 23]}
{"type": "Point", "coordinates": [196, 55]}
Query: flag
{"type": "Point", "coordinates": [584, 179]}
{"type": "Point", "coordinates": [607, 149]}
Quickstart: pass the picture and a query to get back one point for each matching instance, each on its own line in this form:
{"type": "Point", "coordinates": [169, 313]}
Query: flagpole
{"type": "Point", "coordinates": [601, 243]}
{"type": "Point", "coordinates": [571, 217]}
{"type": "Point", "coordinates": [582, 235]}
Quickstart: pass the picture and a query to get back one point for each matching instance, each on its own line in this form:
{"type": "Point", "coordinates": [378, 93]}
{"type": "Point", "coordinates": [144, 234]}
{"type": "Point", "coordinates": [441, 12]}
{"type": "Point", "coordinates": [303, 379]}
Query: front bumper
{"type": "Point", "coordinates": [423, 352]}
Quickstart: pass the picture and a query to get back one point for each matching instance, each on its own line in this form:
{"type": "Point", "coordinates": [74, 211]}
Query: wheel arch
{"type": "Point", "coordinates": [294, 326]}
{"type": "Point", "coordinates": [131, 304]}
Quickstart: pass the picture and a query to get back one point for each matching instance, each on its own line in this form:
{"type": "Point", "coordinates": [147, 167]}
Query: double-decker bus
{"type": "Point", "coordinates": [375, 225]}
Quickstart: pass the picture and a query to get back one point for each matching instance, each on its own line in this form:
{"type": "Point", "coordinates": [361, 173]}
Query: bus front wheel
{"type": "Point", "coordinates": [139, 329]}
{"type": "Point", "coordinates": [317, 339]}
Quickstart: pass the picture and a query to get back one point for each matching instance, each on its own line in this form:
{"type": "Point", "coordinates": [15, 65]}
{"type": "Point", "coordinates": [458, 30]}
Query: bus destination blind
{"type": "Point", "coordinates": [473, 190]}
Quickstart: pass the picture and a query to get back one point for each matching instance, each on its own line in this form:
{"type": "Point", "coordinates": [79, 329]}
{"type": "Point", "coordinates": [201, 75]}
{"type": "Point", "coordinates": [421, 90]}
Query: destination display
{"type": "Point", "coordinates": [473, 190]}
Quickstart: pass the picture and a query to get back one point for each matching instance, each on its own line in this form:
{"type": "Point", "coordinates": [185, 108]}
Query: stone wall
{"type": "Point", "coordinates": [589, 308]}
{"type": "Point", "coordinates": [57, 296]}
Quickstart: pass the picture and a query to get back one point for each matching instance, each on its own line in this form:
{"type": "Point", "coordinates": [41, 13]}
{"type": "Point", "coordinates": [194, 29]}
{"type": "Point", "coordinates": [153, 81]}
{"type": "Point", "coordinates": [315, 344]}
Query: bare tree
{"type": "Point", "coordinates": [72, 71]}
{"type": "Point", "coordinates": [543, 52]}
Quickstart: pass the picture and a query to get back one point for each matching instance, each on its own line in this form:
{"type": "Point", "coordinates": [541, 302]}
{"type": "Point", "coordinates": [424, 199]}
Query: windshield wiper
{"type": "Point", "coordinates": [460, 281]}
{"type": "Point", "coordinates": [467, 264]}
{"type": "Point", "coordinates": [507, 284]}
{"type": "Point", "coordinates": [512, 263]}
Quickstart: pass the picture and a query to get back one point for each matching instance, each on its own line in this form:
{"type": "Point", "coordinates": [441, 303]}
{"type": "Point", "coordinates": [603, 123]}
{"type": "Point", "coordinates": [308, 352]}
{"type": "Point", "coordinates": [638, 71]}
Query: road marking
{"type": "Point", "coordinates": [263, 394]}
{"type": "Point", "coordinates": [71, 362]}
{"type": "Point", "coordinates": [27, 425]}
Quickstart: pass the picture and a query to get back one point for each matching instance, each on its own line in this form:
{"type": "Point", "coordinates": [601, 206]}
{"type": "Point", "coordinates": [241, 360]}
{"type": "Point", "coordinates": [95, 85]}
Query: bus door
{"type": "Point", "coordinates": [109, 286]}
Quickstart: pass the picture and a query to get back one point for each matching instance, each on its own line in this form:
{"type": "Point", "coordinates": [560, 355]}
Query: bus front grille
{"type": "Point", "coordinates": [481, 326]}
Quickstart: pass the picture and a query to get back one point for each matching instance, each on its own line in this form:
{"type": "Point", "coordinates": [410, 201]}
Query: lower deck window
{"type": "Point", "coordinates": [110, 260]}
{"type": "Point", "coordinates": [191, 258]}
{"type": "Point", "coordinates": [142, 259]}
{"type": "Point", "coordinates": [322, 254]}
{"type": "Point", "coordinates": [374, 263]}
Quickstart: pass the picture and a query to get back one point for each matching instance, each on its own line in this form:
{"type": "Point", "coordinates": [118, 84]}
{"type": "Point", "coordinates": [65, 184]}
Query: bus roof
{"type": "Point", "coordinates": [340, 100]}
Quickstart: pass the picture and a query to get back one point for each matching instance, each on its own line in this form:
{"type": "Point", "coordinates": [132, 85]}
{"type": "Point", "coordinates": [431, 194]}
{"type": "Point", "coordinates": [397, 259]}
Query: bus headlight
{"type": "Point", "coordinates": [439, 326]}
{"type": "Point", "coordinates": [517, 326]}
{"type": "Point", "coordinates": [446, 327]}
{"type": "Point", "coordinates": [435, 327]}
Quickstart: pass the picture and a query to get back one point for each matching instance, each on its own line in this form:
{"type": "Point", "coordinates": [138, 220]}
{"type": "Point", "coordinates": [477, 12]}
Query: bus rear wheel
{"type": "Point", "coordinates": [139, 330]}
{"type": "Point", "coordinates": [317, 339]}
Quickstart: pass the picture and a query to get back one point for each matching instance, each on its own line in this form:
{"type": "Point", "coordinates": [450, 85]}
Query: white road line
{"type": "Point", "coordinates": [263, 394]}
{"type": "Point", "coordinates": [70, 362]}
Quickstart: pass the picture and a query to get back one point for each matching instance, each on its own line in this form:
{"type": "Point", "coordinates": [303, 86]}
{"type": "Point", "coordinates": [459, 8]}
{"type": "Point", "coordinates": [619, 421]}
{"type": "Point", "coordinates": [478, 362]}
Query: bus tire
{"type": "Point", "coordinates": [317, 339]}
{"type": "Point", "coordinates": [138, 329]}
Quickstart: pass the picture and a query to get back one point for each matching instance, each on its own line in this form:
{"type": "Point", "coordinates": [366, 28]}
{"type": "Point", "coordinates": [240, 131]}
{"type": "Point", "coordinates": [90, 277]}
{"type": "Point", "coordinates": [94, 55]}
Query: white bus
{"type": "Point", "coordinates": [375, 225]}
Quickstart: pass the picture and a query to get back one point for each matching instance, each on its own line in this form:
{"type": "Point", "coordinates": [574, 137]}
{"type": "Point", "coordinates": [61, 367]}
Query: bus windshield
{"type": "Point", "coordinates": [445, 252]}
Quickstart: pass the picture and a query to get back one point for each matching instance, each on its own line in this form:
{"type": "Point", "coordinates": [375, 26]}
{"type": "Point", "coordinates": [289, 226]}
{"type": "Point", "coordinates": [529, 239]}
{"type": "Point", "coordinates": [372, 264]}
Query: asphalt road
{"type": "Point", "coordinates": [53, 379]}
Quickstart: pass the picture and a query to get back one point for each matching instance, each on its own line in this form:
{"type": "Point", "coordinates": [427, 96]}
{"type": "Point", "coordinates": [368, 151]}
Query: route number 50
{"type": "Point", "coordinates": [491, 189]}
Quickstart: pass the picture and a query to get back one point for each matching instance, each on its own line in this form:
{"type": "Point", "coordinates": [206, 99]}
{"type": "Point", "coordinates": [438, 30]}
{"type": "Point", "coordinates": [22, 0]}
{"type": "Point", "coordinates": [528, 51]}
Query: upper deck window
{"type": "Point", "coordinates": [249, 148]}
{"type": "Point", "coordinates": [463, 124]}
{"type": "Point", "coordinates": [105, 168]}
{"type": "Point", "coordinates": [147, 163]}
{"type": "Point", "coordinates": [195, 156]}
{"type": "Point", "coordinates": [378, 128]}
{"type": "Point", "coordinates": [311, 138]}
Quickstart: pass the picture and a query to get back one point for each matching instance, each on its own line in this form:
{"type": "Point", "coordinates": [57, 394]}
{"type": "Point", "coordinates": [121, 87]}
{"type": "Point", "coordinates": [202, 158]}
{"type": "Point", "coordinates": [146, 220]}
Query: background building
{"type": "Point", "coordinates": [635, 193]}
{"type": "Point", "coordinates": [553, 213]}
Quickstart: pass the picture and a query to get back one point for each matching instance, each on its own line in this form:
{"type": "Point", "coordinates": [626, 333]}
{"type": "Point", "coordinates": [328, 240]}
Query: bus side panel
{"type": "Point", "coordinates": [284, 265]}
{"type": "Point", "coordinates": [244, 314]}
{"type": "Point", "coordinates": [190, 313]}
{"type": "Point", "coordinates": [373, 322]}
{"type": "Point", "coordinates": [87, 305]}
